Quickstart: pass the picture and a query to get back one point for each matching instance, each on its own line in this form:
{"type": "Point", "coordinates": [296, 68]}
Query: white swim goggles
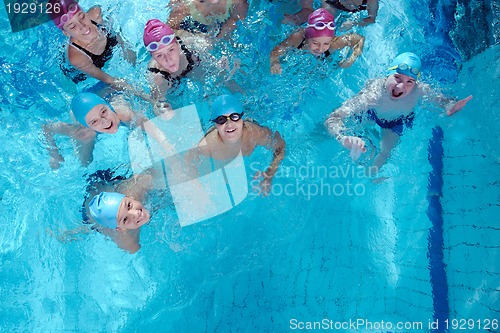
{"type": "Point", "coordinates": [165, 40]}
{"type": "Point", "coordinates": [322, 25]}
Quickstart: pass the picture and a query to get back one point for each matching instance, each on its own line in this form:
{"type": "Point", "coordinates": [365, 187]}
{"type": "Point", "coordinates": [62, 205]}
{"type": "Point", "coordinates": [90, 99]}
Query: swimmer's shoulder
{"type": "Point", "coordinates": [256, 132]}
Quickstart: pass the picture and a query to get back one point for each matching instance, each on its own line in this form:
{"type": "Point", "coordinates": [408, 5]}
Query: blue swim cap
{"type": "Point", "coordinates": [104, 208]}
{"type": "Point", "coordinates": [412, 68]}
{"type": "Point", "coordinates": [84, 102]}
{"type": "Point", "coordinates": [226, 104]}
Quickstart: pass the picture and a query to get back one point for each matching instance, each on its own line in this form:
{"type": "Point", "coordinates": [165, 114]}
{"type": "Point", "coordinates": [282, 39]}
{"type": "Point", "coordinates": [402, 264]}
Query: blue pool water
{"type": "Point", "coordinates": [268, 261]}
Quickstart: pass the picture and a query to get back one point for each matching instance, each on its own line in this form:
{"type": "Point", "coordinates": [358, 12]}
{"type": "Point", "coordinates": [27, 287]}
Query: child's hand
{"type": "Point", "coordinates": [55, 160]}
{"type": "Point", "coordinates": [353, 143]}
{"type": "Point", "coordinates": [276, 68]}
{"type": "Point", "coordinates": [163, 110]}
{"type": "Point", "coordinates": [347, 25]}
{"type": "Point", "coordinates": [265, 184]}
{"type": "Point", "coordinates": [458, 106]}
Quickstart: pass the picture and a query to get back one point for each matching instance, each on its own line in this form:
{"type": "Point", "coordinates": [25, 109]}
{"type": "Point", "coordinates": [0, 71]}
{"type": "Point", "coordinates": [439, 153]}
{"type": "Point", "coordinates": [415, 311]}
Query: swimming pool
{"type": "Point", "coordinates": [269, 264]}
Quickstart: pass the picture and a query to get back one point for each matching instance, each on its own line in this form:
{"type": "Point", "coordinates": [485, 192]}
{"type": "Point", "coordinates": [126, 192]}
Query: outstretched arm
{"type": "Point", "coordinates": [83, 135]}
{"type": "Point", "coordinates": [293, 41]}
{"type": "Point", "coordinates": [449, 104]}
{"type": "Point", "coordinates": [273, 141]}
{"type": "Point", "coordinates": [354, 41]}
{"type": "Point", "coordinates": [335, 123]}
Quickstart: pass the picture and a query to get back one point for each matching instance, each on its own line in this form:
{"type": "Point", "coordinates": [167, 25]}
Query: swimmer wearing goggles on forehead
{"type": "Point", "coordinates": [318, 37]}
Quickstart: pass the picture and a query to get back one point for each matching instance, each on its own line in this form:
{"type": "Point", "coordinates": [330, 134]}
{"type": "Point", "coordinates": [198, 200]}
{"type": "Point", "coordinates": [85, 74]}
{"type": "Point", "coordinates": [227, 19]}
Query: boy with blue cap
{"type": "Point", "coordinates": [390, 103]}
{"type": "Point", "coordinates": [120, 216]}
{"type": "Point", "coordinates": [231, 135]}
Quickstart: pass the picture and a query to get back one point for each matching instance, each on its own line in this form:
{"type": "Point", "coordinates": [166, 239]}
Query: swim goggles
{"type": "Point", "coordinates": [221, 120]}
{"type": "Point", "coordinates": [404, 67]}
{"type": "Point", "coordinates": [165, 40]}
{"type": "Point", "coordinates": [72, 10]}
{"type": "Point", "coordinates": [322, 25]}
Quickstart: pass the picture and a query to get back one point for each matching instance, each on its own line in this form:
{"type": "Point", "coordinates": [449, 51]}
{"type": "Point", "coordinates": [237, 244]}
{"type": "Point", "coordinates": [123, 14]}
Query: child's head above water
{"type": "Point", "coordinates": [402, 75]}
{"type": "Point", "coordinates": [95, 113]}
{"type": "Point", "coordinates": [159, 39]}
{"type": "Point", "coordinates": [226, 113]}
{"type": "Point", "coordinates": [116, 211]}
{"type": "Point", "coordinates": [320, 31]}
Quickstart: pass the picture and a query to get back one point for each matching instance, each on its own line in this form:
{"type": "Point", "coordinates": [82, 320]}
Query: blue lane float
{"type": "Point", "coordinates": [437, 267]}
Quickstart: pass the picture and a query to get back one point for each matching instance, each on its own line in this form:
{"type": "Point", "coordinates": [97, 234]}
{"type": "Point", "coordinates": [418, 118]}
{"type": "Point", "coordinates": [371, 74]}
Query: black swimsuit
{"type": "Point", "coordinates": [99, 60]}
{"type": "Point", "coordinates": [337, 4]}
{"type": "Point", "coordinates": [303, 43]}
{"type": "Point", "coordinates": [192, 62]}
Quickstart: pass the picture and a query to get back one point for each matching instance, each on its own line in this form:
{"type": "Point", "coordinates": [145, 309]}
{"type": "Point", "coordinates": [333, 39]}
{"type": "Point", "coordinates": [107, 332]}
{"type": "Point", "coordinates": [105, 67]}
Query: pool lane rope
{"type": "Point", "coordinates": [438, 279]}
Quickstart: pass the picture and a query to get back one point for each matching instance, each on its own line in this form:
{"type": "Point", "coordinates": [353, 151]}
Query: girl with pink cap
{"type": "Point", "coordinates": [318, 38]}
{"type": "Point", "coordinates": [172, 60]}
{"type": "Point", "coordinates": [90, 45]}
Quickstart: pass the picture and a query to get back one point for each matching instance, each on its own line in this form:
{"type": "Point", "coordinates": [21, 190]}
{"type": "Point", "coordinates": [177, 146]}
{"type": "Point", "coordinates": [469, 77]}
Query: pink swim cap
{"type": "Point", "coordinates": [154, 32]}
{"type": "Point", "coordinates": [62, 11]}
{"type": "Point", "coordinates": [320, 24]}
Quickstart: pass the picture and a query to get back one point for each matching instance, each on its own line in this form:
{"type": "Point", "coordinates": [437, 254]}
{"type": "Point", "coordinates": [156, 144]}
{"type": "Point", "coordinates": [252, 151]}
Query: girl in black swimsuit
{"type": "Point", "coordinates": [91, 45]}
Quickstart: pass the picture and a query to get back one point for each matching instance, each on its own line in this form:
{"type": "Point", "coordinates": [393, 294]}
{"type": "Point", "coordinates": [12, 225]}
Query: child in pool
{"type": "Point", "coordinates": [232, 136]}
{"type": "Point", "coordinates": [215, 17]}
{"type": "Point", "coordinates": [117, 209]}
{"type": "Point", "coordinates": [390, 102]}
{"type": "Point", "coordinates": [97, 116]}
{"type": "Point", "coordinates": [172, 60]}
{"type": "Point", "coordinates": [90, 45]}
{"type": "Point", "coordinates": [353, 6]}
{"type": "Point", "coordinates": [319, 39]}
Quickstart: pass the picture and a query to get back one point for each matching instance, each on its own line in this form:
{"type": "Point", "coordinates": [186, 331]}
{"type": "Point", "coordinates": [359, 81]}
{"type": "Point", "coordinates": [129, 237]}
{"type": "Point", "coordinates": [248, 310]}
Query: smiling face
{"type": "Point", "coordinates": [80, 27]}
{"type": "Point", "coordinates": [131, 214]}
{"type": "Point", "coordinates": [319, 45]}
{"type": "Point", "coordinates": [101, 119]}
{"type": "Point", "coordinates": [169, 57]}
{"type": "Point", "coordinates": [399, 85]}
{"type": "Point", "coordinates": [231, 131]}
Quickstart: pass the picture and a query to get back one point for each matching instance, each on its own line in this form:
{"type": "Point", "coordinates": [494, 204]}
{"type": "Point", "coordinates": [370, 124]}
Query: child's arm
{"type": "Point", "coordinates": [355, 105]}
{"type": "Point", "coordinates": [293, 41]}
{"type": "Point", "coordinates": [82, 134]}
{"type": "Point", "coordinates": [354, 41]}
{"type": "Point", "coordinates": [238, 13]}
{"type": "Point", "coordinates": [265, 137]}
{"type": "Point", "coordinates": [449, 104]}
